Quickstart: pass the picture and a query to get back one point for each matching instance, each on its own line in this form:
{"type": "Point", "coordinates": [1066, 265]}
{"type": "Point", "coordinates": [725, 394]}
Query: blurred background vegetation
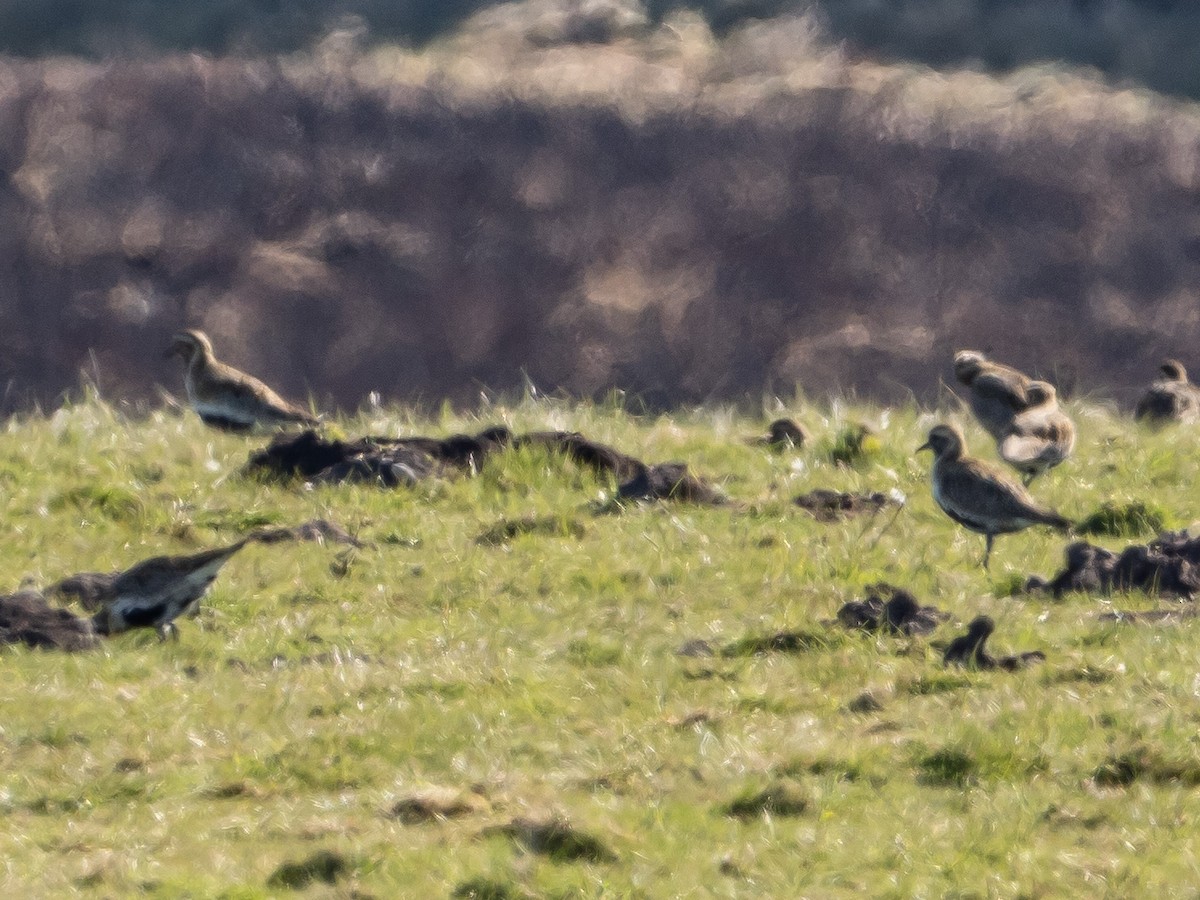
{"type": "Point", "coordinates": [690, 204]}
{"type": "Point", "coordinates": [1155, 42]}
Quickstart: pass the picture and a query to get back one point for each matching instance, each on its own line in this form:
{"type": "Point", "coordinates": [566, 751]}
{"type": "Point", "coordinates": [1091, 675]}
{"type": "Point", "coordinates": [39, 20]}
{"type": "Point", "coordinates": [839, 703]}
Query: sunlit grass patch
{"type": "Point", "coordinates": [519, 715]}
{"type": "Point", "coordinates": [111, 502]}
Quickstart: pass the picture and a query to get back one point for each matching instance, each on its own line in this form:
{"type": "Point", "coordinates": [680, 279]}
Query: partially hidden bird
{"type": "Point", "coordinates": [225, 397]}
{"type": "Point", "coordinates": [1171, 398]}
{"type": "Point", "coordinates": [1039, 437]}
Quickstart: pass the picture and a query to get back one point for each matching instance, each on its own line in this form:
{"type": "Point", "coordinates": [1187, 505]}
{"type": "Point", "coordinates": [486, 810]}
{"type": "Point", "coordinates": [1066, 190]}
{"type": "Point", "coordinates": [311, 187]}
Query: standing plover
{"type": "Point", "coordinates": [1040, 436]}
{"type": "Point", "coordinates": [1171, 398]}
{"type": "Point", "coordinates": [978, 496]}
{"type": "Point", "coordinates": [969, 650]}
{"type": "Point", "coordinates": [998, 392]}
{"type": "Point", "coordinates": [224, 397]}
{"type": "Point", "coordinates": [157, 591]}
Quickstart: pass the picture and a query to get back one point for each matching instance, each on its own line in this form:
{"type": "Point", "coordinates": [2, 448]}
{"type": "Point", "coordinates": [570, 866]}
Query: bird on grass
{"type": "Point", "coordinates": [224, 397]}
{"type": "Point", "coordinates": [157, 591]}
{"type": "Point", "coordinates": [783, 434]}
{"type": "Point", "coordinates": [978, 496]}
{"type": "Point", "coordinates": [997, 392]}
{"type": "Point", "coordinates": [1040, 436]}
{"type": "Point", "coordinates": [969, 650]}
{"type": "Point", "coordinates": [1171, 398]}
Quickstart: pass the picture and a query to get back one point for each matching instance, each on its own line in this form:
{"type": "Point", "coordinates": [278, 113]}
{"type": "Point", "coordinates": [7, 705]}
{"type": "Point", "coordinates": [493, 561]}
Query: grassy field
{"type": "Point", "coordinates": [393, 722]}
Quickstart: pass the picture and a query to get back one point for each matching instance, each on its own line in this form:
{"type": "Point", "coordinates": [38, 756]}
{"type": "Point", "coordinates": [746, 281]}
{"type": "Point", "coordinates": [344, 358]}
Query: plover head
{"type": "Point", "coordinates": [189, 344]}
{"type": "Point", "coordinates": [946, 442]}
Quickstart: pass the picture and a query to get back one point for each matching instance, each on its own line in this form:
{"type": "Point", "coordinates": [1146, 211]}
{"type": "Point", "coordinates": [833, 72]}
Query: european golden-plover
{"type": "Point", "coordinates": [1171, 398]}
{"type": "Point", "coordinates": [978, 496]}
{"type": "Point", "coordinates": [1040, 436]}
{"type": "Point", "coordinates": [224, 397]}
{"type": "Point", "coordinates": [157, 591]}
{"type": "Point", "coordinates": [997, 392]}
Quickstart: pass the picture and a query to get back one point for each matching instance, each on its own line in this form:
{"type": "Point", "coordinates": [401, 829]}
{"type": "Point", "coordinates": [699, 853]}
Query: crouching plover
{"type": "Point", "coordinates": [978, 496]}
{"type": "Point", "coordinates": [1171, 398]}
{"type": "Point", "coordinates": [225, 398]}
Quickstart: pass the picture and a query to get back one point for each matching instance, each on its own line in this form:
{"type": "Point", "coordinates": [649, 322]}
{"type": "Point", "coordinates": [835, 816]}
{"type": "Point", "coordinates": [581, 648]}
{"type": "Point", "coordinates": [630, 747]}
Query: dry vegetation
{"type": "Point", "coordinates": [596, 200]}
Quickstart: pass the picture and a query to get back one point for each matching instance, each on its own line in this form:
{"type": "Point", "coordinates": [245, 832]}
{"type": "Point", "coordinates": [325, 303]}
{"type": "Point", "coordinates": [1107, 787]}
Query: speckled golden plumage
{"type": "Point", "coordinates": [226, 398]}
{"type": "Point", "coordinates": [979, 496]}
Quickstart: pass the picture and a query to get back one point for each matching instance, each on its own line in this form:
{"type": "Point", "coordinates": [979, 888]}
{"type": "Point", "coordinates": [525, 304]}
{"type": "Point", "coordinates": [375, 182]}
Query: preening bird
{"type": "Point", "coordinates": [1040, 436]}
{"type": "Point", "coordinates": [224, 397]}
{"type": "Point", "coordinates": [996, 392]}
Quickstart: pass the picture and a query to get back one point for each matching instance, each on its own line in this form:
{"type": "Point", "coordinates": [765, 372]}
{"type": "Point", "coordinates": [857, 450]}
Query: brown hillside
{"type": "Point", "coordinates": [597, 202]}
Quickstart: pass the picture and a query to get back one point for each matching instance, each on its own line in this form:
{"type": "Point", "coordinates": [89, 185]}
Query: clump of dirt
{"type": "Point", "coordinates": [317, 530]}
{"type": "Point", "coordinates": [1123, 520]}
{"type": "Point", "coordinates": [389, 461]}
{"type": "Point", "coordinates": [324, 866]}
{"type": "Point", "coordinates": [394, 462]}
{"type": "Point", "coordinates": [26, 618]}
{"type": "Point", "coordinates": [891, 609]}
{"type": "Point", "coordinates": [435, 805]}
{"type": "Point", "coordinates": [506, 530]}
{"type": "Point", "coordinates": [1168, 566]}
{"type": "Point", "coordinates": [779, 642]}
{"type": "Point", "coordinates": [555, 838]}
{"type": "Point", "coordinates": [970, 650]}
{"type": "Point", "coordinates": [599, 457]}
{"type": "Point", "coordinates": [670, 481]}
{"type": "Point", "coordinates": [783, 435]}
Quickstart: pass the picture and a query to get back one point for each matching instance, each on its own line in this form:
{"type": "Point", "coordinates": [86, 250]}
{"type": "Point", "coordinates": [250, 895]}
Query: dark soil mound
{"type": "Point", "coordinates": [1168, 566]}
{"type": "Point", "coordinates": [389, 461]}
{"type": "Point", "coordinates": [888, 608]}
{"type": "Point", "coordinates": [26, 618]}
{"type": "Point", "coordinates": [669, 481]}
{"type": "Point", "coordinates": [599, 457]}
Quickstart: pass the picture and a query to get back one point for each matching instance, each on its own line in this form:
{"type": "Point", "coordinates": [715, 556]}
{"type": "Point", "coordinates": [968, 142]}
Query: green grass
{"type": "Point", "coordinates": [487, 700]}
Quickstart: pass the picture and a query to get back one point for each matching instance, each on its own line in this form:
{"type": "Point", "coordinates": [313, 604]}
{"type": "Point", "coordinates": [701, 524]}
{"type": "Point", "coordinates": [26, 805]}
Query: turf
{"type": "Point", "coordinates": [488, 701]}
